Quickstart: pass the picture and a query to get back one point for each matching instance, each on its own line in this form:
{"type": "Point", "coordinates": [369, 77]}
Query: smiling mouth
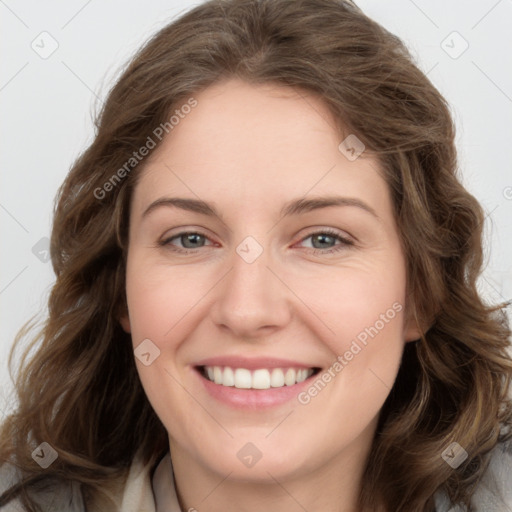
{"type": "Point", "coordinates": [263, 378]}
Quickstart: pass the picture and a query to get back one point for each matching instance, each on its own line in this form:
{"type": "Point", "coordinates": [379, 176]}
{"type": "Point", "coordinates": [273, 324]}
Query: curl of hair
{"type": "Point", "coordinates": [80, 391]}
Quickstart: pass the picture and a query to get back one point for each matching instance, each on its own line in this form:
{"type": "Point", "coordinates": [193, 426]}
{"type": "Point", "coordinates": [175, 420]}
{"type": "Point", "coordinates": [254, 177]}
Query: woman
{"type": "Point", "coordinates": [261, 368]}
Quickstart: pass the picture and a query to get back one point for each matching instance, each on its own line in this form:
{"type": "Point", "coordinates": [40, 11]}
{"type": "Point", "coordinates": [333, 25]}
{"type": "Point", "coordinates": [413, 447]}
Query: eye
{"type": "Point", "coordinates": [190, 240]}
{"type": "Point", "coordinates": [327, 237]}
{"type": "Point", "coordinates": [325, 241]}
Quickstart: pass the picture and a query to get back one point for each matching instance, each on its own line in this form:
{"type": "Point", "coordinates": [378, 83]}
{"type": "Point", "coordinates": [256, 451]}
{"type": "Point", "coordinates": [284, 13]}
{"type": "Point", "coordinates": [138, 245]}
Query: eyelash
{"type": "Point", "coordinates": [344, 242]}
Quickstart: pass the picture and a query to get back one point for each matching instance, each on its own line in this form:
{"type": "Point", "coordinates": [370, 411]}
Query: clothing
{"type": "Point", "coordinates": [146, 490]}
{"type": "Point", "coordinates": [164, 488]}
{"type": "Point", "coordinates": [494, 491]}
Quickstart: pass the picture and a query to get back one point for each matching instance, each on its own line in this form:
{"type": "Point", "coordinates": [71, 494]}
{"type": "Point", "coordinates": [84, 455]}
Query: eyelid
{"type": "Point", "coordinates": [331, 231]}
{"type": "Point", "coordinates": [164, 240]}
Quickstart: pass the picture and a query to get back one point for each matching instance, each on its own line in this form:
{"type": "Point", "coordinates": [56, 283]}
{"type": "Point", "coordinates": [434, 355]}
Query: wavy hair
{"type": "Point", "coordinates": [79, 390]}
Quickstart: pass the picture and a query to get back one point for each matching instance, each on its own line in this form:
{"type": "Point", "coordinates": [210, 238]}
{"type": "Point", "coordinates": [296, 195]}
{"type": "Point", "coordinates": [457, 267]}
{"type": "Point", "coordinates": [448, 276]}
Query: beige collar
{"type": "Point", "coordinates": [144, 490]}
{"type": "Point", "coordinates": [164, 487]}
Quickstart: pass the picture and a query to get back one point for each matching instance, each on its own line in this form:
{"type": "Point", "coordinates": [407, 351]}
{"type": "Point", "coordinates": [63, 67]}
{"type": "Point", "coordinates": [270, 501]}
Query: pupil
{"type": "Point", "coordinates": [190, 238]}
{"type": "Point", "coordinates": [322, 237]}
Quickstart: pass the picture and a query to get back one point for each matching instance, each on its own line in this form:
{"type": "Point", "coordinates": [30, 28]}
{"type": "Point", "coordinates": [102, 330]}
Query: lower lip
{"type": "Point", "coordinates": [253, 398]}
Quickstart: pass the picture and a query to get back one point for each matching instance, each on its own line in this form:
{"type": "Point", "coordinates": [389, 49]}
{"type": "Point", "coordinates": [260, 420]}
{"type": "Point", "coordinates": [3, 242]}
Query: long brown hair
{"type": "Point", "coordinates": [80, 392]}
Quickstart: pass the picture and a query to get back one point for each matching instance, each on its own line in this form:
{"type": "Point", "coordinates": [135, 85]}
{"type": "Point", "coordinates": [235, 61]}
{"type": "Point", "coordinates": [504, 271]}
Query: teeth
{"type": "Point", "coordinates": [258, 379]}
{"type": "Point", "coordinates": [217, 375]}
{"type": "Point", "coordinates": [289, 377]}
{"type": "Point", "coordinates": [261, 379]}
{"type": "Point", "coordinates": [242, 378]}
{"type": "Point", "coordinates": [228, 377]}
{"type": "Point", "coordinates": [277, 378]}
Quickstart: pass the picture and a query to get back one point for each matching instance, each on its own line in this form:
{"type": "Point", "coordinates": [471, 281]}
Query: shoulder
{"type": "Point", "coordinates": [48, 495]}
{"type": "Point", "coordinates": [493, 492]}
{"type": "Point", "coordinates": [133, 494]}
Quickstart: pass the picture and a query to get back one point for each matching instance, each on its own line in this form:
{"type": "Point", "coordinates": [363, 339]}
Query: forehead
{"type": "Point", "coordinates": [257, 119]}
{"type": "Point", "coordinates": [260, 143]}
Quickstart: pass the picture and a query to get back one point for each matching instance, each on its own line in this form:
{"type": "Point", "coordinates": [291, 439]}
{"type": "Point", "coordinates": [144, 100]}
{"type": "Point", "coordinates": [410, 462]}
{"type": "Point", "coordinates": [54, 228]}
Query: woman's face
{"type": "Point", "coordinates": [264, 293]}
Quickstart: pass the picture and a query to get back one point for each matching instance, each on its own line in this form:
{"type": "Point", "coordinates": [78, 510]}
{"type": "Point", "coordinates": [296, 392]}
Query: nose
{"type": "Point", "coordinates": [252, 299]}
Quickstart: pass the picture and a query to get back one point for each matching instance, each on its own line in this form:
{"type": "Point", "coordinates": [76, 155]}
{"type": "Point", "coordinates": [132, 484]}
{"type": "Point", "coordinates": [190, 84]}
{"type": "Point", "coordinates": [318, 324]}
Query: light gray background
{"type": "Point", "coordinates": [46, 106]}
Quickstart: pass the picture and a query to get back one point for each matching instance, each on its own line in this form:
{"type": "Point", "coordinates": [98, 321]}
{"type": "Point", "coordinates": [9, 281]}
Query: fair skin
{"type": "Point", "coordinates": [248, 150]}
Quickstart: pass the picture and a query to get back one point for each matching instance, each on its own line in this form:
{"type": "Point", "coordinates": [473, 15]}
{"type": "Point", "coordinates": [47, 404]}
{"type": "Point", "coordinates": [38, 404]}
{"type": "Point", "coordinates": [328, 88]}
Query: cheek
{"type": "Point", "coordinates": [160, 300]}
{"type": "Point", "coordinates": [357, 303]}
{"type": "Point", "coordinates": [367, 345]}
{"type": "Point", "coordinates": [158, 297]}
{"type": "Point", "coordinates": [362, 307]}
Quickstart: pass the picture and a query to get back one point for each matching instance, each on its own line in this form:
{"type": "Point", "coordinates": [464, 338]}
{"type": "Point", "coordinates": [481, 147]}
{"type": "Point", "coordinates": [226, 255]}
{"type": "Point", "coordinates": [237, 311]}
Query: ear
{"type": "Point", "coordinates": [124, 320]}
{"type": "Point", "coordinates": [412, 331]}
{"type": "Point", "coordinates": [412, 328]}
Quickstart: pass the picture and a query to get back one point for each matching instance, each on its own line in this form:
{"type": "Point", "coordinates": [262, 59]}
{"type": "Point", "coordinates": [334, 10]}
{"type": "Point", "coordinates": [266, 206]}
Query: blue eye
{"type": "Point", "coordinates": [328, 236]}
{"type": "Point", "coordinates": [186, 237]}
{"type": "Point", "coordinates": [192, 241]}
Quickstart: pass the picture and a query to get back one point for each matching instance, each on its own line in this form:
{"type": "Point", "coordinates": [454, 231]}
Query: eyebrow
{"type": "Point", "coordinates": [294, 207]}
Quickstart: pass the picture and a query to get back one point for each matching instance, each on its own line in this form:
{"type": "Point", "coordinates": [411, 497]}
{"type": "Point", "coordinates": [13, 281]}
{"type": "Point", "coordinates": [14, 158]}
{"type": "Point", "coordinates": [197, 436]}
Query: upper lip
{"type": "Point", "coordinates": [252, 363]}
